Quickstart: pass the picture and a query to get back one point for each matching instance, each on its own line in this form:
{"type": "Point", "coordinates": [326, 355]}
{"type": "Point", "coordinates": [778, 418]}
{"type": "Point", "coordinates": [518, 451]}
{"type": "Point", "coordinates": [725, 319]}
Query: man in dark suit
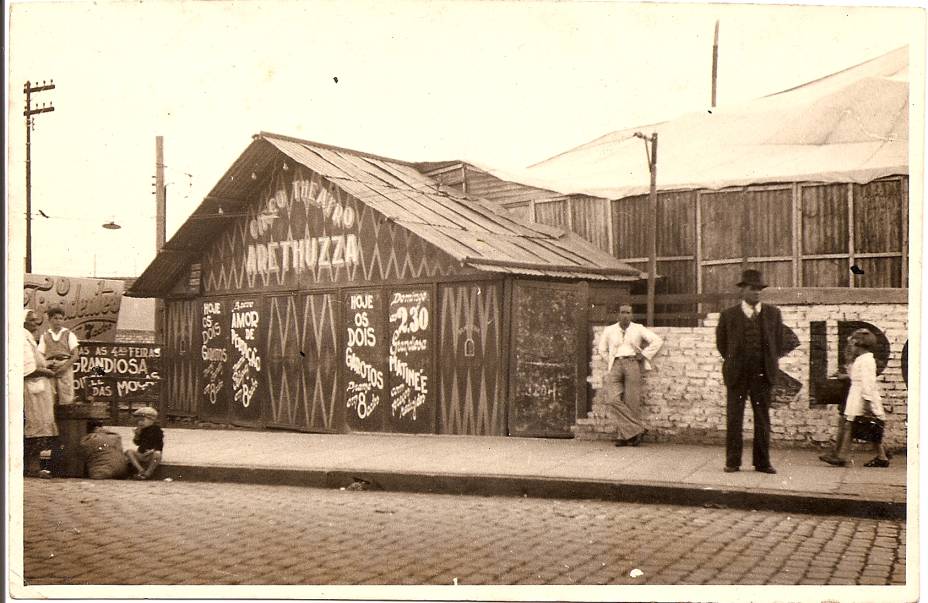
{"type": "Point", "coordinates": [750, 338]}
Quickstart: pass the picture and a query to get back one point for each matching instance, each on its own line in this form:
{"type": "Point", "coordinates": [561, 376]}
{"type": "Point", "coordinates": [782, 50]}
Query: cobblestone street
{"type": "Point", "coordinates": [83, 532]}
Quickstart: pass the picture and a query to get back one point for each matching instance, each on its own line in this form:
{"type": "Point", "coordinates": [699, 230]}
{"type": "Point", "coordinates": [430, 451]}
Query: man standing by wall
{"type": "Point", "coordinates": [60, 347]}
{"type": "Point", "coordinates": [627, 347]}
{"type": "Point", "coordinates": [750, 338]}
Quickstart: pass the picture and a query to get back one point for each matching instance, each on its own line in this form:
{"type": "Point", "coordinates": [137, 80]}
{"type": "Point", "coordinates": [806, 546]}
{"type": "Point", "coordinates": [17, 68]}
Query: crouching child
{"type": "Point", "coordinates": [149, 438]}
{"type": "Point", "coordinates": [103, 452]}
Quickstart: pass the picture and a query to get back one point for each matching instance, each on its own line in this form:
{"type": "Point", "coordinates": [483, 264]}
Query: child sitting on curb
{"type": "Point", "coordinates": [150, 441]}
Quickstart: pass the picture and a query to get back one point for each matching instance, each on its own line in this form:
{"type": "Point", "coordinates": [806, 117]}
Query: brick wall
{"type": "Point", "coordinates": [684, 397]}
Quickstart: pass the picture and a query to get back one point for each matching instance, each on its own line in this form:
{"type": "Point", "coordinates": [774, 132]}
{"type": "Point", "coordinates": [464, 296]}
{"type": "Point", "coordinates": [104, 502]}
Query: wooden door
{"type": "Point", "coordinates": [302, 378]}
{"type": "Point", "coordinates": [181, 358]}
{"type": "Point", "coordinates": [547, 379]}
{"type": "Point", "coordinates": [470, 359]}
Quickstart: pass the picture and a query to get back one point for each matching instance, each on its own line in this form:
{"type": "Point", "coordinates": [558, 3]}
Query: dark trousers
{"type": "Point", "coordinates": [758, 389]}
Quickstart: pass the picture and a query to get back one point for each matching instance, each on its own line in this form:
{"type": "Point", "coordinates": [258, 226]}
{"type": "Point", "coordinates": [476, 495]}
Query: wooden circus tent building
{"type": "Point", "coordinates": [804, 184]}
{"type": "Point", "coordinates": [322, 289]}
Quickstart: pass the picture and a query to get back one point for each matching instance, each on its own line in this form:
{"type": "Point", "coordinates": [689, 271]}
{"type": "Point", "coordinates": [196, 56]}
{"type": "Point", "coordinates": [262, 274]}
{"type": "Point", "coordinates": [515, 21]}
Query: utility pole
{"type": "Point", "coordinates": [160, 194]}
{"type": "Point", "coordinates": [160, 228]}
{"type": "Point", "coordinates": [652, 222]}
{"type": "Point", "coordinates": [715, 61]}
{"type": "Point", "coordinates": [28, 90]}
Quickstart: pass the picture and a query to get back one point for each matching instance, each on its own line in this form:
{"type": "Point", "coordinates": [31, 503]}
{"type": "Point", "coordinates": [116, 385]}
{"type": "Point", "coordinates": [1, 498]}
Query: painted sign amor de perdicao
{"type": "Point", "coordinates": [246, 358]}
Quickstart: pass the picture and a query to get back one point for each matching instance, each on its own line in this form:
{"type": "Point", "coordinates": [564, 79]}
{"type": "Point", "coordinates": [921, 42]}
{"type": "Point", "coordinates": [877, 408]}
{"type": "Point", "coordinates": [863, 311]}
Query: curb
{"type": "Point", "coordinates": [544, 487]}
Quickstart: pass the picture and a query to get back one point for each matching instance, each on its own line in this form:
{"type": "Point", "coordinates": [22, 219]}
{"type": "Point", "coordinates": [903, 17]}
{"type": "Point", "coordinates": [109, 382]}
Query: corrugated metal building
{"type": "Point", "coordinates": [322, 289]}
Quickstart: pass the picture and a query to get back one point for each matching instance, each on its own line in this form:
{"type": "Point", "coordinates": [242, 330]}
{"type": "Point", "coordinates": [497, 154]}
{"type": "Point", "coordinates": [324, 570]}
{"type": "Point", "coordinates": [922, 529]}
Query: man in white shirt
{"type": "Point", "coordinates": [60, 348]}
{"type": "Point", "coordinates": [627, 348]}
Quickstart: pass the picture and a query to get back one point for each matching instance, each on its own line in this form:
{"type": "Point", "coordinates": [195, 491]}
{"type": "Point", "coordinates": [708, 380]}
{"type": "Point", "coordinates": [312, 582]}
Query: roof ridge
{"type": "Point", "coordinates": [837, 73]}
{"type": "Point", "coordinates": [331, 147]}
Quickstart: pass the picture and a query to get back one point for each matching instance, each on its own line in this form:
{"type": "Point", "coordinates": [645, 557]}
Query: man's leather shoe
{"type": "Point", "coordinates": [731, 469]}
{"type": "Point", "coordinates": [621, 443]}
{"type": "Point", "coordinates": [765, 469]}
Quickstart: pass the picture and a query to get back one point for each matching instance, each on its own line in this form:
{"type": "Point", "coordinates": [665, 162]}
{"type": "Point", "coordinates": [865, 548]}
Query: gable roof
{"type": "Point", "coordinates": [473, 231]}
{"type": "Point", "coordinates": [850, 126]}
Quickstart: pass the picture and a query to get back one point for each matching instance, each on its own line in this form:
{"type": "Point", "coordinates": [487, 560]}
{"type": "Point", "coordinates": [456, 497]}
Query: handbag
{"type": "Point", "coordinates": [867, 428]}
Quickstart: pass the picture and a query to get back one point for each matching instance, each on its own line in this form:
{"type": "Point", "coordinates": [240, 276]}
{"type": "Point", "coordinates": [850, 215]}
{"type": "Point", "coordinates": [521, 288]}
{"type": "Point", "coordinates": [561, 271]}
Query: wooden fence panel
{"type": "Point", "coordinates": [631, 219]}
{"type": "Point", "coordinates": [676, 224]}
{"type": "Point", "coordinates": [678, 276]}
{"type": "Point", "coordinates": [590, 220]}
{"type": "Point", "coordinates": [832, 272]}
{"type": "Point", "coordinates": [522, 212]}
{"type": "Point", "coordinates": [722, 229]}
{"type": "Point", "coordinates": [770, 223]}
{"type": "Point", "coordinates": [552, 213]}
{"type": "Point", "coordinates": [719, 279]}
{"type": "Point", "coordinates": [824, 219]}
{"type": "Point", "coordinates": [878, 217]}
{"type": "Point", "coordinates": [879, 272]}
{"type": "Point", "coordinates": [777, 274]}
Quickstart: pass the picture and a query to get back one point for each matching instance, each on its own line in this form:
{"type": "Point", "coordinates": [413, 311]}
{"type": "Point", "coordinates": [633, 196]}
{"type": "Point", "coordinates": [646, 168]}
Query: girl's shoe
{"type": "Point", "coordinates": [833, 460]}
{"type": "Point", "coordinates": [877, 462]}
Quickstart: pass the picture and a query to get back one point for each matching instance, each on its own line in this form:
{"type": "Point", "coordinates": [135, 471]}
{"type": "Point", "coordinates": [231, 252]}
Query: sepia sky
{"type": "Point", "coordinates": [502, 84]}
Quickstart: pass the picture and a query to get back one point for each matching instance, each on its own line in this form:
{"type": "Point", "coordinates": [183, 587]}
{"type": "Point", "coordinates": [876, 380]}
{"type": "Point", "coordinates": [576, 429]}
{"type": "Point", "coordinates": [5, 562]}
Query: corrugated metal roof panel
{"type": "Point", "coordinates": [470, 229]}
{"type": "Point", "coordinates": [572, 274]}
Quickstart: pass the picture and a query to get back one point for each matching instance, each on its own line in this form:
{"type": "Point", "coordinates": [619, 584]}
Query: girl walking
{"type": "Point", "coordinates": [863, 398]}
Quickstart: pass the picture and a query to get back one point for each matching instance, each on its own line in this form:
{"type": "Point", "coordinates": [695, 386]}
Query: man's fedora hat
{"type": "Point", "coordinates": [752, 278]}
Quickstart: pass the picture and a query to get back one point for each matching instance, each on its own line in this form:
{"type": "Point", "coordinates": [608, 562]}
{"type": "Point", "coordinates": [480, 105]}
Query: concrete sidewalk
{"type": "Point", "coordinates": [665, 473]}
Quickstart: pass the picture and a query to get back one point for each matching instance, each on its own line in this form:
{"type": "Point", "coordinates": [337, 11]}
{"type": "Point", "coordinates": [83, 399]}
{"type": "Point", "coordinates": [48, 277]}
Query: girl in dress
{"type": "Point", "coordinates": [862, 398]}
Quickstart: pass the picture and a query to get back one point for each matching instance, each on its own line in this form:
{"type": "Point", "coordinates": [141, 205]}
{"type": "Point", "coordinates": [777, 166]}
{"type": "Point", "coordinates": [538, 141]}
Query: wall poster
{"type": "Point", "coordinates": [412, 407]}
{"type": "Point", "coordinates": [246, 327]}
{"type": "Point", "coordinates": [213, 400]}
{"type": "Point", "coordinates": [127, 372]}
{"type": "Point", "coordinates": [365, 361]}
{"type": "Point", "coordinates": [91, 306]}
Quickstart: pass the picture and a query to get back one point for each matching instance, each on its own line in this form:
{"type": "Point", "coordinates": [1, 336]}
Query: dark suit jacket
{"type": "Point", "coordinates": [729, 339]}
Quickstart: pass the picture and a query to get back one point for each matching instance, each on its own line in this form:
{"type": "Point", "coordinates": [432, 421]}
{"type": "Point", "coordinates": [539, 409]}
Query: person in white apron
{"type": "Point", "coordinates": [38, 402]}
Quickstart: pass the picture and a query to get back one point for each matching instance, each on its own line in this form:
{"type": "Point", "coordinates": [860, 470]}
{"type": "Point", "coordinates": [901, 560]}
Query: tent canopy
{"type": "Point", "coordinates": [851, 126]}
